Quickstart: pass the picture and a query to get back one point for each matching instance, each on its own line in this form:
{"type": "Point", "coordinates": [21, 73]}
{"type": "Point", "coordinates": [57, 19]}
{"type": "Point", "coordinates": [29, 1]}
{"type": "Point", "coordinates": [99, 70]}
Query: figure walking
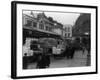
{"type": "Point", "coordinates": [43, 61]}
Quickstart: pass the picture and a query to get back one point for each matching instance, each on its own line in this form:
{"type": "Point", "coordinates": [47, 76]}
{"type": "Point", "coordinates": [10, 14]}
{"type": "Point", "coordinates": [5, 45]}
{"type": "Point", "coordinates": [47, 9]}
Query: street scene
{"type": "Point", "coordinates": [55, 39]}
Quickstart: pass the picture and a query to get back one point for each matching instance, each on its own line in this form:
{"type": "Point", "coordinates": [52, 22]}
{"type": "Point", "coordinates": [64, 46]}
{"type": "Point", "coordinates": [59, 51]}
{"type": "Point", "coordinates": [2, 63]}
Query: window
{"type": "Point", "coordinates": [68, 34]}
{"type": "Point", "coordinates": [68, 29]}
{"type": "Point", "coordinates": [34, 24]}
{"type": "Point", "coordinates": [28, 23]}
{"type": "Point", "coordinates": [65, 34]}
{"type": "Point", "coordinates": [41, 26]}
{"type": "Point", "coordinates": [48, 28]}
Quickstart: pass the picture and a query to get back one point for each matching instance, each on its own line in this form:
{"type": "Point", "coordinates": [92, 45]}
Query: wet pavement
{"type": "Point", "coordinates": [79, 60]}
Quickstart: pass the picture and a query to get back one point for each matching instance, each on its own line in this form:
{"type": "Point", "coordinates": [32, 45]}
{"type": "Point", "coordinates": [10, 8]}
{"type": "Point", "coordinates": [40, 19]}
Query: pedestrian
{"type": "Point", "coordinates": [83, 49]}
{"type": "Point", "coordinates": [46, 55]}
{"type": "Point", "coordinates": [72, 52]}
{"type": "Point", "coordinates": [43, 60]}
{"type": "Point", "coordinates": [67, 51]}
{"type": "Point", "coordinates": [47, 60]}
{"type": "Point", "coordinates": [25, 61]}
{"type": "Point", "coordinates": [40, 62]}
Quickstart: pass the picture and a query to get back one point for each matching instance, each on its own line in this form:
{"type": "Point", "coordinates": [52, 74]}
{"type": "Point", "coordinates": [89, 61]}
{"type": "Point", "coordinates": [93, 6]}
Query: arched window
{"type": "Point", "coordinates": [41, 25]}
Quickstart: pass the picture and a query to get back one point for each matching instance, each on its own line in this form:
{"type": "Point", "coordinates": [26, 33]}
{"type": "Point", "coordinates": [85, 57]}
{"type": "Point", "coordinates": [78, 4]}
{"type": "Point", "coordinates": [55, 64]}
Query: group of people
{"type": "Point", "coordinates": [76, 45]}
{"type": "Point", "coordinates": [69, 52]}
{"type": "Point", "coordinates": [43, 61]}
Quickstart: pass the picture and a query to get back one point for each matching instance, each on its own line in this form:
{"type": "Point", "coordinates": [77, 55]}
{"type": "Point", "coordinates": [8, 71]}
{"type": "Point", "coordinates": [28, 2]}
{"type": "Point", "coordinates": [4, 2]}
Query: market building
{"type": "Point", "coordinates": [41, 24]}
{"type": "Point", "coordinates": [38, 26]}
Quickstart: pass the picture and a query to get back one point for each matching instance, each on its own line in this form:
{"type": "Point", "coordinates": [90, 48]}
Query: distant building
{"type": "Point", "coordinates": [82, 28]}
{"type": "Point", "coordinates": [67, 31]}
{"type": "Point", "coordinates": [82, 25]}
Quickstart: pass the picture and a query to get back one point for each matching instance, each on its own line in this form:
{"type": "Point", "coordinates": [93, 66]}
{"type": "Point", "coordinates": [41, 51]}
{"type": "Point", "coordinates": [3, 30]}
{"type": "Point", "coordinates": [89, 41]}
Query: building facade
{"type": "Point", "coordinates": [58, 28]}
{"type": "Point", "coordinates": [82, 25]}
{"type": "Point", "coordinates": [67, 31]}
{"type": "Point", "coordinates": [41, 23]}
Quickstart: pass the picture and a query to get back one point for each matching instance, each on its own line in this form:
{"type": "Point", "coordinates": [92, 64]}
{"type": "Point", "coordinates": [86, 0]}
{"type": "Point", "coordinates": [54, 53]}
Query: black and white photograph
{"type": "Point", "coordinates": [54, 39]}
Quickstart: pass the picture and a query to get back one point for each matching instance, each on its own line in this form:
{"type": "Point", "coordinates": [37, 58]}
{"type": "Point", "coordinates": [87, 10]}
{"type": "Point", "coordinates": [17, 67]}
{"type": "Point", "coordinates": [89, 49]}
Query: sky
{"type": "Point", "coordinates": [62, 17]}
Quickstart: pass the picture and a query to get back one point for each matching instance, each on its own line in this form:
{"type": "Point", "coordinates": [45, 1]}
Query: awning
{"type": "Point", "coordinates": [39, 34]}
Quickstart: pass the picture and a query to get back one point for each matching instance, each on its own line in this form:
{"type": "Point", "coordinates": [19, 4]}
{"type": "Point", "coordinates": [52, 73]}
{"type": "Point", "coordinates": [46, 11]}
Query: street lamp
{"type": "Point", "coordinates": [86, 33]}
